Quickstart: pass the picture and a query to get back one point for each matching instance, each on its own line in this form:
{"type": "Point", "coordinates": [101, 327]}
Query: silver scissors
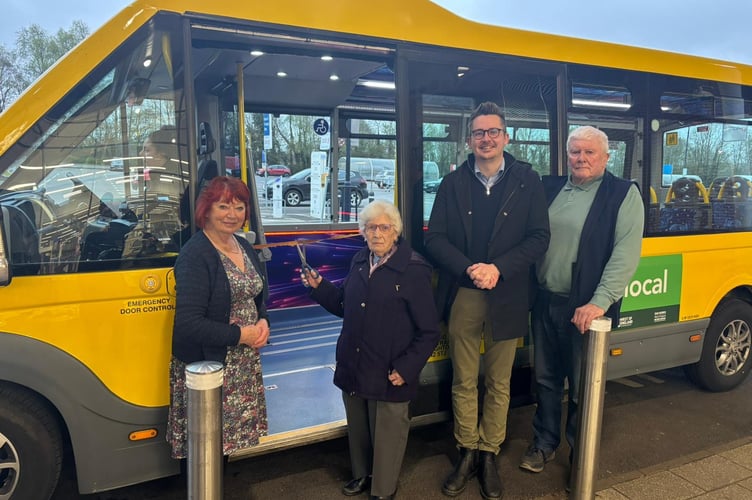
{"type": "Point", "coordinates": [304, 267]}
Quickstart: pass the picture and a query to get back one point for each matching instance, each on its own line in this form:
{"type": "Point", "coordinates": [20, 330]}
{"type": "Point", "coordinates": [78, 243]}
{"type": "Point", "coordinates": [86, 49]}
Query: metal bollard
{"type": "Point", "coordinates": [204, 382]}
{"type": "Point", "coordinates": [592, 392]}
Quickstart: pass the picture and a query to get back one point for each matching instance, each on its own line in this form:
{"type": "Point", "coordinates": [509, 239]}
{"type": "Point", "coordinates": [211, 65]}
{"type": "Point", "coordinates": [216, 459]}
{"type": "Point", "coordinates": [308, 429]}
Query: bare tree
{"type": "Point", "coordinates": [35, 52]}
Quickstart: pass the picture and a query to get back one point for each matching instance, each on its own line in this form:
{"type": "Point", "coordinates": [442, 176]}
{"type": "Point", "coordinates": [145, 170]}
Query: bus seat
{"type": "Point", "coordinates": [735, 188]}
{"type": "Point", "coordinates": [687, 207]}
{"type": "Point", "coordinates": [715, 187]}
{"type": "Point", "coordinates": [732, 208]}
{"type": "Point", "coordinates": [687, 190]}
{"type": "Point", "coordinates": [102, 249]}
{"type": "Point", "coordinates": [654, 212]}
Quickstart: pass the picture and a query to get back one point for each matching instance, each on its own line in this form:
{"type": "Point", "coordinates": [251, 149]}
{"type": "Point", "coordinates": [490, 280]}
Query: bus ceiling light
{"type": "Point", "coordinates": [333, 78]}
{"type": "Point", "coordinates": [600, 104]}
{"type": "Point", "coordinates": [257, 53]}
{"type": "Point", "coordinates": [142, 434]}
{"type": "Point", "coordinates": [327, 58]}
{"type": "Point", "coordinates": [376, 84]}
{"type": "Point", "coordinates": [616, 351]}
{"type": "Point", "coordinates": [281, 74]}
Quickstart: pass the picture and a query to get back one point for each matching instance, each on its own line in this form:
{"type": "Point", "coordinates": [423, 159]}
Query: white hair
{"type": "Point", "coordinates": [377, 208]}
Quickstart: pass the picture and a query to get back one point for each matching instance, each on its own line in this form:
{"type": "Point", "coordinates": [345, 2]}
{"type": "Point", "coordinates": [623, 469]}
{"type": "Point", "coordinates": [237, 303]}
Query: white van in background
{"type": "Point", "coordinates": [369, 168]}
{"type": "Point", "coordinates": [430, 171]}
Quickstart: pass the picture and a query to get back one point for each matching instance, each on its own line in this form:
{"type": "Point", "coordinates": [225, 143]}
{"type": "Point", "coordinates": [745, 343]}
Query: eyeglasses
{"type": "Point", "coordinates": [384, 228]}
{"type": "Point", "coordinates": [493, 133]}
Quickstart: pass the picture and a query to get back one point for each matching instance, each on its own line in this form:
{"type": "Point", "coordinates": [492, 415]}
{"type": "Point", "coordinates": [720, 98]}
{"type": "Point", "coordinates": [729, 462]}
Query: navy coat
{"type": "Point", "coordinates": [520, 237]}
{"type": "Point", "coordinates": [201, 329]}
{"type": "Point", "coordinates": [389, 323]}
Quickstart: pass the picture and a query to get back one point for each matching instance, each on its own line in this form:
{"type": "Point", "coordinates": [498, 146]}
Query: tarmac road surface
{"type": "Point", "coordinates": [648, 420]}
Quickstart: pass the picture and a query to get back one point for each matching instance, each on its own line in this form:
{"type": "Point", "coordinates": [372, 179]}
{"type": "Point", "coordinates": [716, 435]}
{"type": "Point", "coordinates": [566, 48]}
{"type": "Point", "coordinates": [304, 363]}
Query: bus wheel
{"type": "Point", "coordinates": [725, 360]}
{"type": "Point", "coordinates": [31, 447]}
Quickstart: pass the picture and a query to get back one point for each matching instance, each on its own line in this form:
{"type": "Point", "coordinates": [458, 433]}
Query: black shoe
{"type": "Point", "coordinates": [466, 468]}
{"type": "Point", "coordinates": [356, 486]}
{"type": "Point", "coordinates": [488, 476]}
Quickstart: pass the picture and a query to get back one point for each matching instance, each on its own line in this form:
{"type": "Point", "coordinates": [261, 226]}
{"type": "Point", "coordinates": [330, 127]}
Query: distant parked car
{"type": "Point", "coordinates": [296, 189]}
{"type": "Point", "coordinates": [431, 186]}
{"type": "Point", "coordinates": [275, 170]}
{"type": "Point", "coordinates": [385, 180]}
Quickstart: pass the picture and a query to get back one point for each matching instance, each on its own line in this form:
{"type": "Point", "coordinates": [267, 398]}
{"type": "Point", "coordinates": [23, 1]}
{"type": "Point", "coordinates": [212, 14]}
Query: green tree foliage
{"type": "Point", "coordinates": [35, 51]}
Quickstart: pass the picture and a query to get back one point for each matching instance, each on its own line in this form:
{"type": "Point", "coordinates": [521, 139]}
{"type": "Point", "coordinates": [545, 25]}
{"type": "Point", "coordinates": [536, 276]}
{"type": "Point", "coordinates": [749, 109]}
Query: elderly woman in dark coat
{"type": "Point", "coordinates": [389, 330]}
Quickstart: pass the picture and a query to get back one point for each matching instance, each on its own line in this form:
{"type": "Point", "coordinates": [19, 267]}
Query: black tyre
{"type": "Point", "coordinates": [293, 198]}
{"type": "Point", "coordinates": [31, 446]}
{"type": "Point", "coordinates": [726, 359]}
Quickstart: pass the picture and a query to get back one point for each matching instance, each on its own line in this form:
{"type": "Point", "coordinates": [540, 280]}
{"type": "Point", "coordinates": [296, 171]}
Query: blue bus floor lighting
{"type": "Point", "coordinates": [301, 399]}
{"type": "Point", "coordinates": [298, 368]}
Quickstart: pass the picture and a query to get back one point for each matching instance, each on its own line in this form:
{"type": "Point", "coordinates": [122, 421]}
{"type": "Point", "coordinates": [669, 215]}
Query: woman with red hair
{"type": "Point", "coordinates": [220, 315]}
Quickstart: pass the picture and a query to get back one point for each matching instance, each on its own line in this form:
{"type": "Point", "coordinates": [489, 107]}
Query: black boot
{"type": "Point", "coordinates": [488, 476]}
{"type": "Point", "coordinates": [466, 468]}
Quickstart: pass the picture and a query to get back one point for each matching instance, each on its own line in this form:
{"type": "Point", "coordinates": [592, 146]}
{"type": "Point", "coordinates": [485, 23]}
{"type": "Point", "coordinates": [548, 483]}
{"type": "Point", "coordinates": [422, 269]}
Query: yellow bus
{"type": "Point", "coordinates": [89, 230]}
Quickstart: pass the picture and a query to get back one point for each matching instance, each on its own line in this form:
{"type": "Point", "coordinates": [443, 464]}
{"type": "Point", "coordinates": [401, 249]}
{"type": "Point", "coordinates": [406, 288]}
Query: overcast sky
{"type": "Point", "coordinates": [713, 28]}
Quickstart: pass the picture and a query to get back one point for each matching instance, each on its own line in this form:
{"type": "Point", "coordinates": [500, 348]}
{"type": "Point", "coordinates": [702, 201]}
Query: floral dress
{"type": "Point", "coordinates": [243, 400]}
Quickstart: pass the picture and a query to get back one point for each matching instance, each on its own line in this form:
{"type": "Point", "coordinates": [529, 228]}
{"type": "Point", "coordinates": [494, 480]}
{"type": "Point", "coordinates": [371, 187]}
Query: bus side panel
{"type": "Point", "coordinates": [654, 348]}
{"type": "Point", "coordinates": [98, 422]}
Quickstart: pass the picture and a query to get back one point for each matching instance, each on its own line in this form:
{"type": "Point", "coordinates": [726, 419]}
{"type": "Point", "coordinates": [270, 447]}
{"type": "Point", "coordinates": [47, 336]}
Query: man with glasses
{"type": "Point", "coordinates": [488, 225]}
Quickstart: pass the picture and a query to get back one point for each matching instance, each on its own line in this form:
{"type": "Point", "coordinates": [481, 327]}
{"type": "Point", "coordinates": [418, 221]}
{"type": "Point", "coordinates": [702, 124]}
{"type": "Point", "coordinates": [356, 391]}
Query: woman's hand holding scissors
{"type": "Point", "coordinates": [310, 277]}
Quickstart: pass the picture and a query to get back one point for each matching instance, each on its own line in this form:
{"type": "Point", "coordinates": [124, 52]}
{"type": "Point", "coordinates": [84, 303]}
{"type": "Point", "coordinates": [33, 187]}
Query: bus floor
{"type": "Point", "coordinates": [298, 367]}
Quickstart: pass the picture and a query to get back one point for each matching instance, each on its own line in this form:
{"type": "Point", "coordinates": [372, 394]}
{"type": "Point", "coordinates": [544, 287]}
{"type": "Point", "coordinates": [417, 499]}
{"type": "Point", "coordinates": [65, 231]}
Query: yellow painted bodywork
{"type": "Point", "coordinates": [712, 265]}
{"type": "Point", "coordinates": [104, 320]}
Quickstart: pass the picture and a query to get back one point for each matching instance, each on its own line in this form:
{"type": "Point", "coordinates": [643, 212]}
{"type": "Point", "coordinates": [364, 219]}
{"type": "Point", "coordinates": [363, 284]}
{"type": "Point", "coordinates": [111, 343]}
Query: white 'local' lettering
{"type": "Point", "coordinates": [650, 286]}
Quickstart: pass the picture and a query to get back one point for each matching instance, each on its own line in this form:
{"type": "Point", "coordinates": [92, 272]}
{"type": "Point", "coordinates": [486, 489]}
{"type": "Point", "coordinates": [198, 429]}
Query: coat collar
{"type": "Point", "coordinates": [398, 261]}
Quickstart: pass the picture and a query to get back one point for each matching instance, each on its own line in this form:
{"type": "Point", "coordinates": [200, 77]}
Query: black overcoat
{"type": "Point", "coordinates": [520, 237]}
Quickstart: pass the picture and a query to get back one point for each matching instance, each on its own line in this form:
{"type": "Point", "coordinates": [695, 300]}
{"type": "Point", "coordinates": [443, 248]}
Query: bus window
{"type": "Point", "coordinates": [451, 91]}
{"type": "Point", "coordinates": [701, 145]}
{"type": "Point", "coordinates": [83, 185]}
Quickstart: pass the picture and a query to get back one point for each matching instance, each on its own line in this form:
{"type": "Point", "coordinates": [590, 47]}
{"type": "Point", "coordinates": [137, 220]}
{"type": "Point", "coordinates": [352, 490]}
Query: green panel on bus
{"type": "Point", "coordinates": [653, 294]}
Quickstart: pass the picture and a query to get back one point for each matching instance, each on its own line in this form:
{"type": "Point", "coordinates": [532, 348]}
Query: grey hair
{"type": "Point", "coordinates": [587, 132]}
{"type": "Point", "coordinates": [377, 208]}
